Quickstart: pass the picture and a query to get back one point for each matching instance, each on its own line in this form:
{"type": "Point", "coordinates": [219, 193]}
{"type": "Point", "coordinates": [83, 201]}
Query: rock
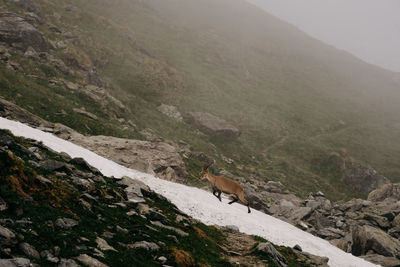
{"type": "Point", "coordinates": [212, 125]}
{"type": "Point", "coordinates": [29, 250]}
{"type": "Point", "coordinates": [384, 192]}
{"type": "Point", "coordinates": [330, 233]}
{"type": "Point", "coordinates": [396, 221]}
{"type": "Point", "coordinates": [31, 53]}
{"type": "Point", "coordinates": [157, 158]}
{"type": "Point", "coordinates": [84, 165]}
{"type": "Point", "coordinates": [297, 247]}
{"type": "Point", "coordinates": [232, 228]}
{"type": "Point", "coordinates": [89, 261]}
{"type": "Point", "coordinates": [3, 204]}
{"type": "Point", "coordinates": [143, 208]}
{"type": "Point", "coordinates": [156, 216]}
{"type": "Point", "coordinates": [170, 111]}
{"type": "Point", "coordinates": [176, 230]}
{"type": "Point", "coordinates": [103, 245]}
{"type": "Point", "coordinates": [144, 244]}
{"type": "Point", "coordinates": [67, 263]}
{"type": "Point", "coordinates": [65, 223]}
{"type": "Point", "coordinates": [366, 238]}
{"type": "Point", "coordinates": [53, 165]}
{"type": "Point", "coordinates": [313, 204]}
{"type": "Point", "coordinates": [16, 262]}
{"type": "Point", "coordinates": [362, 178]}
{"type": "Point", "coordinates": [271, 251]}
{"type": "Point", "coordinates": [83, 112]}
{"type": "Point", "coordinates": [7, 237]}
{"type": "Point", "coordinates": [162, 259]}
{"type": "Point", "coordinates": [45, 254]}
{"type": "Point", "coordinates": [8, 109]}
{"type": "Point", "coordinates": [379, 221]}
{"type": "Point", "coordinates": [382, 260]}
{"type": "Point", "coordinates": [17, 31]}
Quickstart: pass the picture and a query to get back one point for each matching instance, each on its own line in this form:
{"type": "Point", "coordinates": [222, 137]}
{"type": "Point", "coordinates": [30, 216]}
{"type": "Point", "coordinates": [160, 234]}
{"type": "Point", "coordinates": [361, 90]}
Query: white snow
{"type": "Point", "coordinates": [198, 203]}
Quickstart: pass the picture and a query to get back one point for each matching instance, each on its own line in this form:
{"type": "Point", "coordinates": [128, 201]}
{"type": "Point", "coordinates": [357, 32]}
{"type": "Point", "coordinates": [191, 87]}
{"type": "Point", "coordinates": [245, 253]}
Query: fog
{"type": "Point", "coordinates": [369, 29]}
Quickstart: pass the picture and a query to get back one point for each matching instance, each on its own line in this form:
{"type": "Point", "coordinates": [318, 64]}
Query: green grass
{"type": "Point", "coordinates": [262, 75]}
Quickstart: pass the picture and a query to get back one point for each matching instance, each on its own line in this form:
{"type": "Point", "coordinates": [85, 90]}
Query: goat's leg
{"type": "Point", "coordinates": [219, 195]}
{"type": "Point", "coordinates": [215, 192]}
{"type": "Point", "coordinates": [235, 199]}
{"type": "Point", "coordinates": [244, 201]}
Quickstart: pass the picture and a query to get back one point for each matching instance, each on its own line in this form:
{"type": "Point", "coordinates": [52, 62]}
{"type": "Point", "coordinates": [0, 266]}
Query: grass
{"type": "Point", "coordinates": [271, 81]}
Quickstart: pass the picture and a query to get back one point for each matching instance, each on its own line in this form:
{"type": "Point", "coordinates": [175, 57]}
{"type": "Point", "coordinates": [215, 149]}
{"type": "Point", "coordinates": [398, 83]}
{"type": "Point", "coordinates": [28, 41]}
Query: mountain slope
{"type": "Point", "coordinates": [294, 99]}
{"type": "Point", "coordinates": [198, 203]}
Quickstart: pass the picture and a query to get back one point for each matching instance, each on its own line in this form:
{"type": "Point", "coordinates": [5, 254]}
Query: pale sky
{"type": "Point", "coordinates": [369, 29]}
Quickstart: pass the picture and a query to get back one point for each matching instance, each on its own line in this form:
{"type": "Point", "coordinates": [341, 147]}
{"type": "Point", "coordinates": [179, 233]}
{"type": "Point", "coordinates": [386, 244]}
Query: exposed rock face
{"type": "Point", "coordinates": [366, 238]}
{"type": "Point", "coordinates": [362, 178]}
{"type": "Point", "coordinates": [358, 176]}
{"type": "Point", "coordinates": [170, 111]}
{"type": "Point", "coordinates": [8, 109]}
{"type": "Point", "coordinates": [384, 192]}
{"type": "Point", "coordinates": [157, 158]}
{"type": "Point", "coordinates": [16, 31]}
{"type": "Point", "coordinates": [212, 125]}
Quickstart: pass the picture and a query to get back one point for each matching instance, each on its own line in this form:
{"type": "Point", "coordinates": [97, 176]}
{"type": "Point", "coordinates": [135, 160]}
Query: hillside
{"type": "Point", "coordinates": [158, 213]}
{"type": "Point", "coordinates": [104, 67]}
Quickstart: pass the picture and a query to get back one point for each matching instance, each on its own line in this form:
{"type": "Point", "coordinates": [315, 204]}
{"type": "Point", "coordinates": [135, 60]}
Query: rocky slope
{"type": "Point", "coordinates": [362, 227]}
{"type": "Point", "coordinates": [60, 211]}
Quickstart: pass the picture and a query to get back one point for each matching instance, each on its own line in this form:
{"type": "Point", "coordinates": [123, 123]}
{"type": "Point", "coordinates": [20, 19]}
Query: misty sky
{"type": "Point", "coordinates": [369, 29]}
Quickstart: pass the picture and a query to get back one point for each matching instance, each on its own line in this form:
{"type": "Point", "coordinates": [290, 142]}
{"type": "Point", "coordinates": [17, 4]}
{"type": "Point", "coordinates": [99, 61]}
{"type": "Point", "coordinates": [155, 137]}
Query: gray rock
{"type": "Point", "coordinates": [134, 189]}
{"type": "Point", "coordinates": [162, 259]}
{"type": "Point", "coordinates": [176, 230]}
{"type": "Point", "coordinates": [65, 223]}
{"type": "Point", "coordinates": [212, 125]}
{"type": "Point", "coordinates": [83, 164]}
{"type": "Point", "coordinates": [16, 262]}
{"type": "Point", "coordinates": [143, 208]}
{"type": "Point", "coordinates": [7, 237]}
{"type": "Point", "coordinates": [52, 165]}
{"type": "Point", "coordinates": [157, 158]}
{"type": "Point", "coordinates": [83, 112]}
{"type": "Point", "coordinates": [384, 192]}
{"type": "Point", "coordinates": [144, 244]}
{"type": "Point", "coordinates": [271, 251]}
{"type": "Point", "coordinates": [17, 31]}
{"type": "Point", "coordinates": [103, 245]}
{"type": "Point", "coordinates": [170, 111]}
{"type": "Point", "coordinates": [67, 263]}
{"type": "Point", "coordinates": [366, 238]}
{"type": "Point", "coordinates": [382, 260]}
{"type": "Point", "coordinates": [89, 261]}
{"type": "Point", "coordinates": [3, 205]}
{"type": "Point", "coordinates": [48, 256]}
{"type": "Point", "coordinates": [29, 250]}
{"type": "Point", "coordinates": [313, 204]}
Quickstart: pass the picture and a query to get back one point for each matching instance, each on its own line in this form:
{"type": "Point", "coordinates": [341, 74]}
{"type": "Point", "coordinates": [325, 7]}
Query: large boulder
{"type": "Point", "coordinates": [382, 260]}
{"type": "Point", "coordinates": [385, 192]}
{"type": "Point", "coordinates": [212, 125]}
{"type": "Point", "coordinates": [157, 158]}
{"type": "Point", "coordinates": [8, 109]}
{"type": "Point", "coordinates": [367, 238]}
{"type": "Point", "coordinates": [16, 31]}
{"type": "Point", "coordinates": [362, 178]}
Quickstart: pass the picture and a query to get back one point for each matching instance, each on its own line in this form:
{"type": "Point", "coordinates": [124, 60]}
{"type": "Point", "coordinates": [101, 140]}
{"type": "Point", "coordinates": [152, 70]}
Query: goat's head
{"type": "Point", "coordinates": [204, 172]}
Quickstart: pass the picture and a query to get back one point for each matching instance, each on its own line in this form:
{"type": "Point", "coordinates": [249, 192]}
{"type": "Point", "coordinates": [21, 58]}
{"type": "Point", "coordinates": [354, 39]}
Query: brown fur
{"type": "Point", "coordinates": [221, 184]}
